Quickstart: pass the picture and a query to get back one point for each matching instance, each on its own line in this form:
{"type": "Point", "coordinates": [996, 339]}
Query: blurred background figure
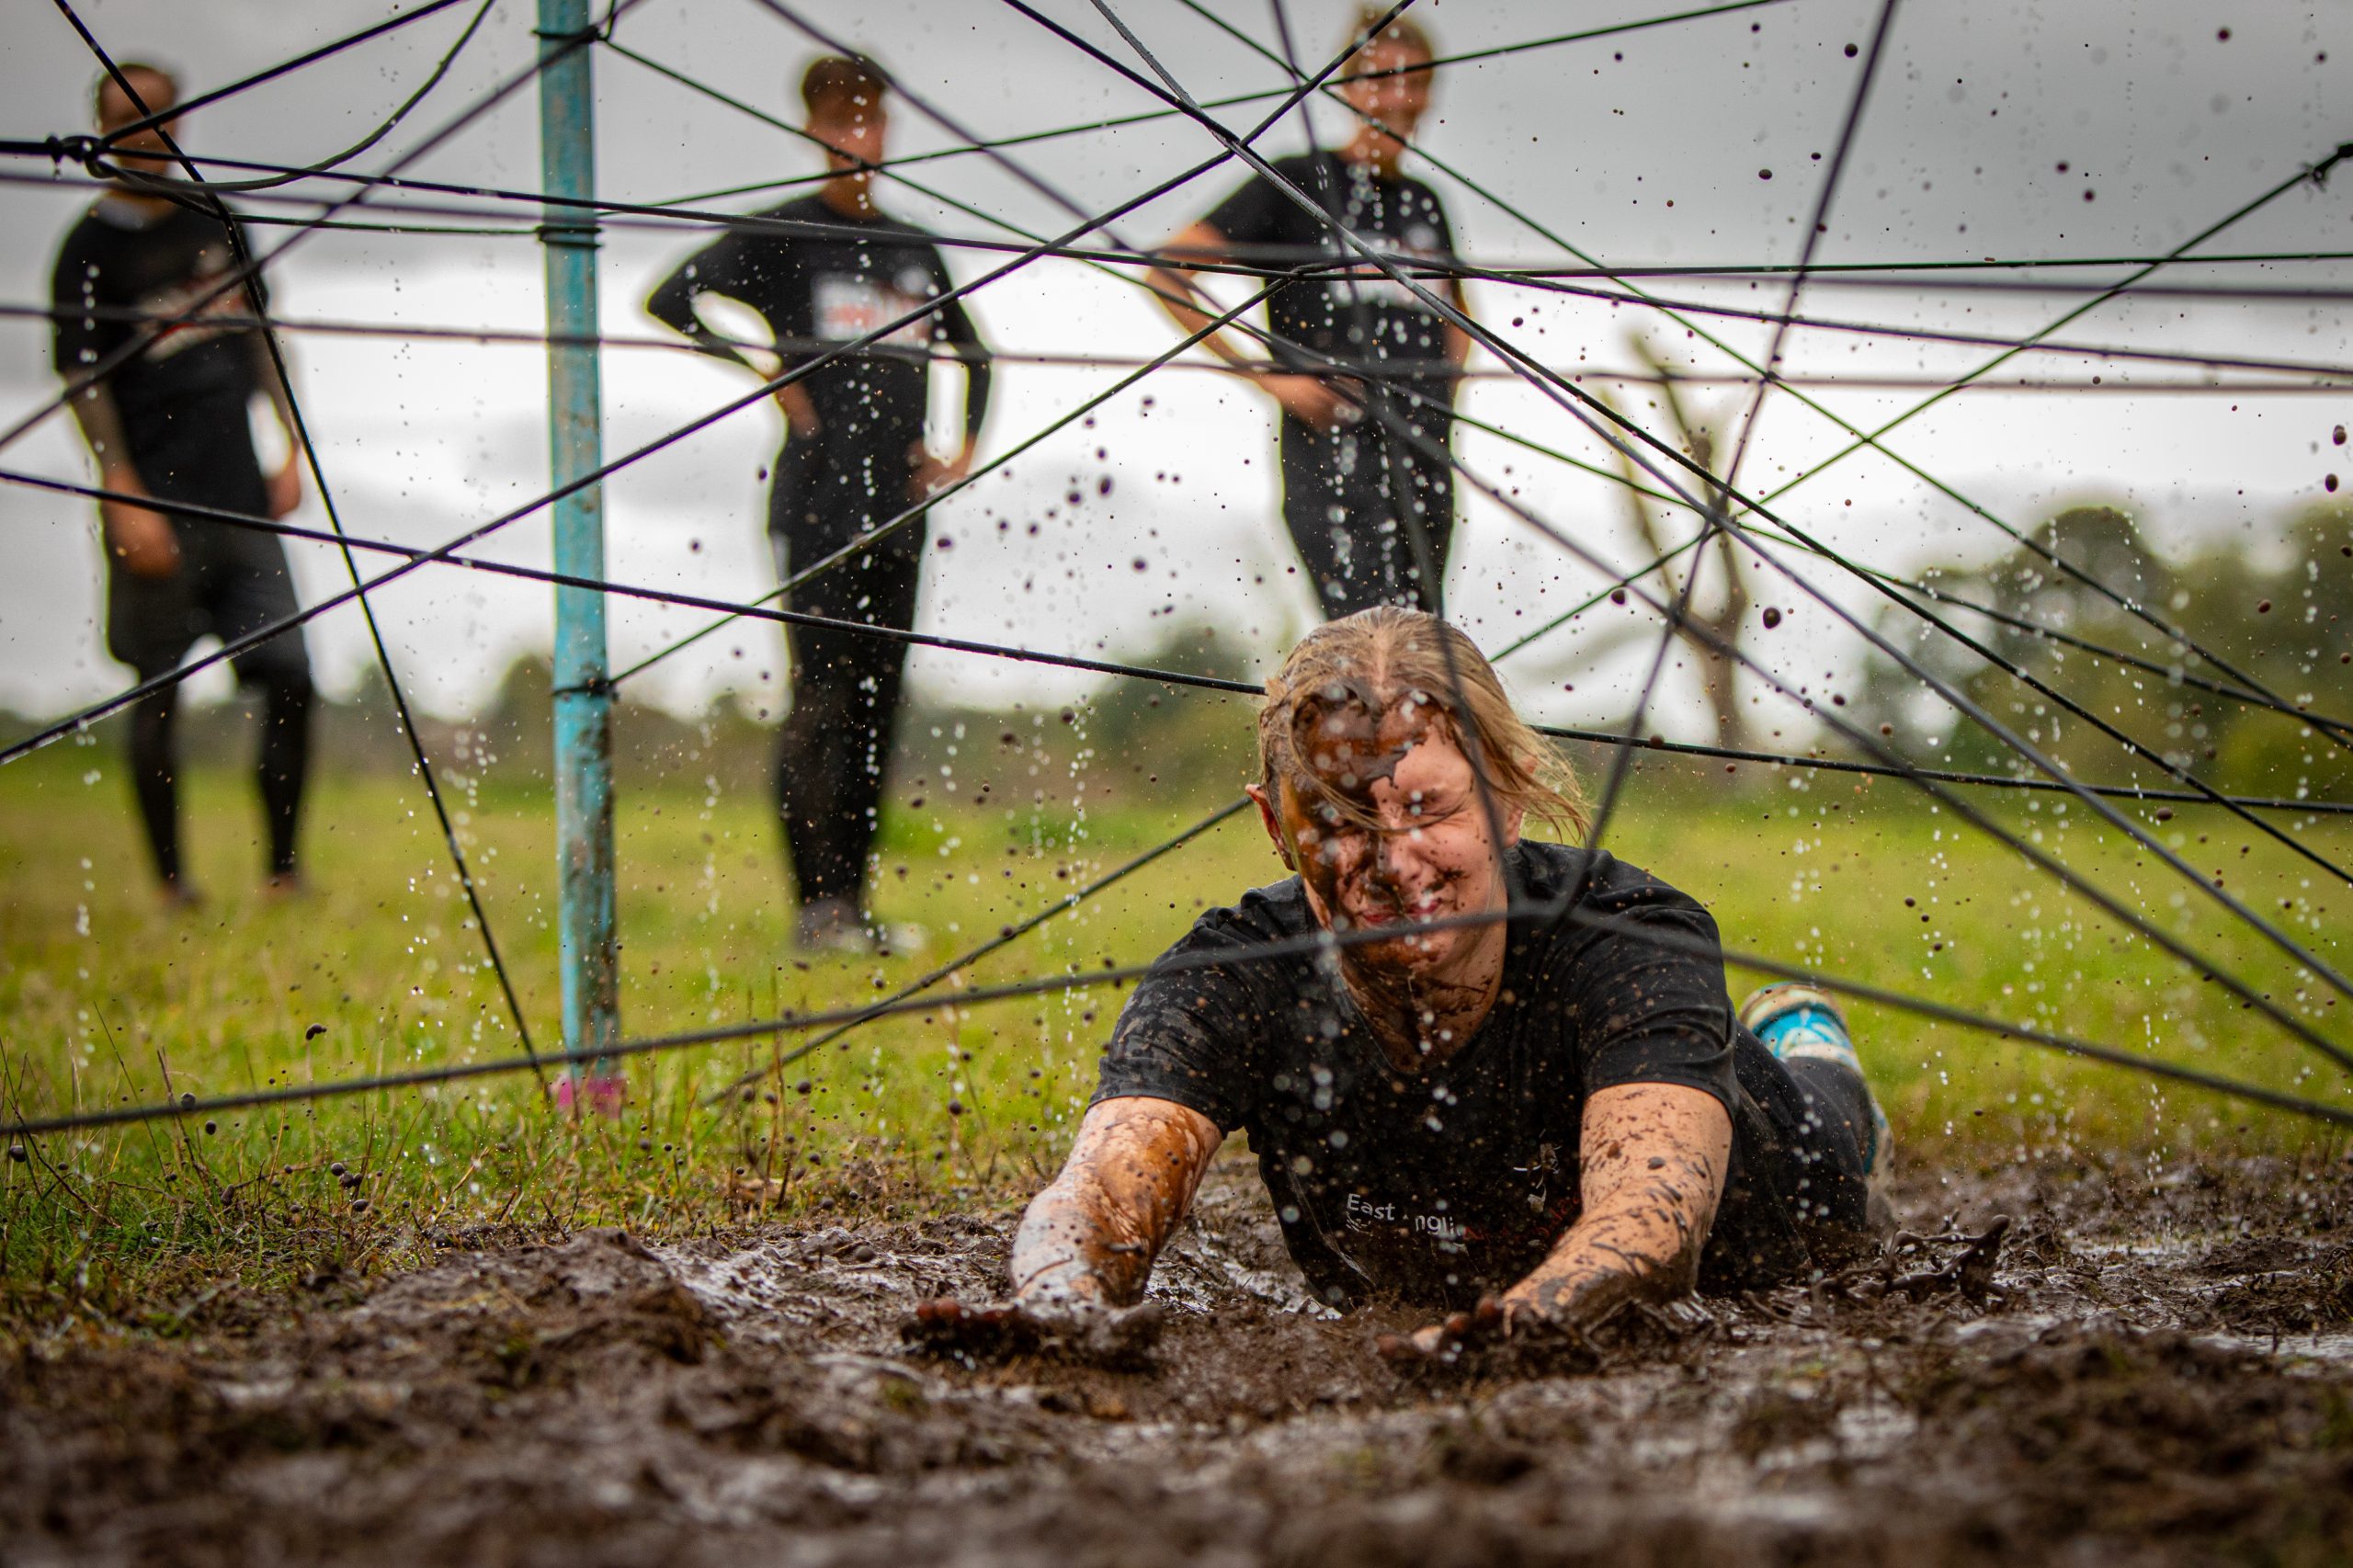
{"type": "Point", "coordinates": [1371, 511]}
{"type": "Point", "coordinates": [854, 458]}
{"type": "Point", "coordinates": [172, 422]}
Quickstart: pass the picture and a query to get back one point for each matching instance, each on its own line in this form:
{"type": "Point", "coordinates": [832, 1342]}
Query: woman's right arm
{"type": "Point", "coordinates": [1089, 1239]}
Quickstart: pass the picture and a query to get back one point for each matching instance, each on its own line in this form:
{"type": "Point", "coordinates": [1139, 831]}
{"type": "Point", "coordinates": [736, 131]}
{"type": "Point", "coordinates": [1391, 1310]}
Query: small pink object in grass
{"type": "Point", "coordinates": [600, 1092]}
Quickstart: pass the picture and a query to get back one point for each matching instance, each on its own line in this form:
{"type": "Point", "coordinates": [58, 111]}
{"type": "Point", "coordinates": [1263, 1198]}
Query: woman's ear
{"type": "Point", "coordinates": [1272, 822]}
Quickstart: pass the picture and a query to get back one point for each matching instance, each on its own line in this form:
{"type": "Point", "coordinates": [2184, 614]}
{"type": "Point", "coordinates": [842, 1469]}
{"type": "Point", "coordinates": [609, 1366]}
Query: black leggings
{"type": "Point", "coordinates": [282, 764]}
{"type": "Point", "coordinates": [833, 753]}
{"type": "Point", "coordinates": [1835, 1148]}
{"type": "Point", "coordinates": [1353, 500]}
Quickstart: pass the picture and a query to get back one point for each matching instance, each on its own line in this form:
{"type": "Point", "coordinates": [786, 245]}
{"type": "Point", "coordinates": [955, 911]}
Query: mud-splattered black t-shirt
{"type": "Point", "coordinates": [182, 397]}
{"type": "Point", "coordinates": [845, 277]}
{"type": "Point", "coordinates": [1352, 314]}
{"type": "Point", "coordinates": [1444, 1183]}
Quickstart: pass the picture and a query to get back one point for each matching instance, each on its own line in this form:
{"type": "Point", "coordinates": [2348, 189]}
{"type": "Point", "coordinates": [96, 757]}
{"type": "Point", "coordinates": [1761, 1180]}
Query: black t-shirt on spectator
{"type": "Point", "coordinates": [1445, 1184]}
{"type": "Point", "coordinates": [1356, 315]}
{"type": "Point", "coordinates": [184, 397]}
{"type": "Point", "coordinates": [819, 289]}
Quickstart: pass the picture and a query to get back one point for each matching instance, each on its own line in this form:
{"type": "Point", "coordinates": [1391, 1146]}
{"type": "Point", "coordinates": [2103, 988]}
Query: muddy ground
{"type": "Point", "coordinates": [2164, 1374]}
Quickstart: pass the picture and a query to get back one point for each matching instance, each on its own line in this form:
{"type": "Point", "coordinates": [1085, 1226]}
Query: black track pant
{"type": "Point", "coordinates": [834, 755]}
{"type": "Point", "coordinates": [1833, 1151]}
{"type": "Point", "coordinates": [1353, 499]}
{"type": "Point", "coordinates": [283, 761]}
{"type": "Point", "coordinates": [231, 583]}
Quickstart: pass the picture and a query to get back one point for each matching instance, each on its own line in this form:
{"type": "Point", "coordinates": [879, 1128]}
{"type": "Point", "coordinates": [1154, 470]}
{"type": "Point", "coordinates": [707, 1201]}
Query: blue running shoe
{"type": "Point", "coordinates": [1797, 1022]}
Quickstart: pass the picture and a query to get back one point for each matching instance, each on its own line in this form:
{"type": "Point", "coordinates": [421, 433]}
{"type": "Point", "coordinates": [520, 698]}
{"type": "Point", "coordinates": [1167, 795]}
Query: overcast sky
{"type": "Point", "coordinates": [2074, 128]}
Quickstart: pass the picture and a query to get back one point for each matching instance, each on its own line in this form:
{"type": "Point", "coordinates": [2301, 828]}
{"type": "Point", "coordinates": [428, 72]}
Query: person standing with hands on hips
{"type": "Point", "coordinates": [822, 270]}
{"type": "Point", "coordinates": [1358, 481]}
{"type": "Point", "coordinates": [173, 422]}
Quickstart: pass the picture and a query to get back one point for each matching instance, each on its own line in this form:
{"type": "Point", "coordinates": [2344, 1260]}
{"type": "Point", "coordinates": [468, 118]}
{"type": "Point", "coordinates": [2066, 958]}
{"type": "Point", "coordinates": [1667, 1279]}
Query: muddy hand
{"type": "Point", "coordinates": [1444, 1343]}
{"type": "Point", "coordinates": [997, 1330]}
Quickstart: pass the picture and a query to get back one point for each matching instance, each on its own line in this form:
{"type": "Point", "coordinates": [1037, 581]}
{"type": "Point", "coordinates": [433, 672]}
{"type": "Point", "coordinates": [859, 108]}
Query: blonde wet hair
{"type": "Point", "coordinates": [1388, 657]}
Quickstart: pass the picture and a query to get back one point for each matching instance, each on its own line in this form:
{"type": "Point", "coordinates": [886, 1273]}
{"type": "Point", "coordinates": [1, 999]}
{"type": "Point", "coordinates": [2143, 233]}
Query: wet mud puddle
{"type": "Point", "coordinates": [2161, 1373]}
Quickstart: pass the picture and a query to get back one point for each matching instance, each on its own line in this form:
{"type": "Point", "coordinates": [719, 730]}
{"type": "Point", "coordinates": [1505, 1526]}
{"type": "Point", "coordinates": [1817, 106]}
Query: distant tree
{"type": "Point", "coordinates": [1719, 607]}
{"type": "Point", "coordinates": [2266, 608]}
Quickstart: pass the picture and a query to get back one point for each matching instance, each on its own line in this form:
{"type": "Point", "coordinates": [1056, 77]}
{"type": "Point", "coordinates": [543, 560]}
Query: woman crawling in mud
{"type": "Point", "coordinates": [1509, 1084]}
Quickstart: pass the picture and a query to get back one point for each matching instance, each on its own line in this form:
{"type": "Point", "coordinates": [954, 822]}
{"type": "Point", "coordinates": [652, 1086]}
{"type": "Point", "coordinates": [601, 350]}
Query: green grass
{"type": "Point", "coordinates": [105, 999]}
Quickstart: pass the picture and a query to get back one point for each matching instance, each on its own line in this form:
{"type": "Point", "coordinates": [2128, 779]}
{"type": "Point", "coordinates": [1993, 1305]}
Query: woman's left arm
{"type": "Point", "coordinates": [1652, 1169]}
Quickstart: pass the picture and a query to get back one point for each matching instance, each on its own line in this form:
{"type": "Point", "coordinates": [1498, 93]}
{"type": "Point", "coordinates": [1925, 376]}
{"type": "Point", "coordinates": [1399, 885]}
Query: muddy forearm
{"type": "Point", "coordinates": [1653, 1170]}
{"type": "Point", "coordinates": [1093, 1233]}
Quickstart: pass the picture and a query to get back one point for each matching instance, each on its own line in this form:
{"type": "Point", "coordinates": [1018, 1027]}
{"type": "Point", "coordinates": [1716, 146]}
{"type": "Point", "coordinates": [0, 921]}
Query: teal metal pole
{"type": "Point", "coordinates": [584, 730]}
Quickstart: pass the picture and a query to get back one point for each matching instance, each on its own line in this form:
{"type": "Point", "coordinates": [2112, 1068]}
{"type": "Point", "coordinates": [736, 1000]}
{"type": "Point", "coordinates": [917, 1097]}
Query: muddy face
{"type": "Point", "coordinates": [1388, 831]}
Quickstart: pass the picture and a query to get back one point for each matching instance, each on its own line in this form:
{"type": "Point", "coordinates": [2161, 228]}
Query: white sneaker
{"type": "Point", "coordinates": [833, 926]}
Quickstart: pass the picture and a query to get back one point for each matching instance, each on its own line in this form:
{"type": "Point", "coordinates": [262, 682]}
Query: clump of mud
{"type": "Point", "coordinates": [2155, 1370]}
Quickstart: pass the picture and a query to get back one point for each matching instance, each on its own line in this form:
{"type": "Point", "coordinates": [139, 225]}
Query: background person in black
{"type": "Point", "coordinates": [1548, 1117]}
{"type": "Point", "coordinates": [1353, 492]}
{"type": "Point", "coordinates": [174, 423]}
{"type": "Point", "coordinates": [854, 458]}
